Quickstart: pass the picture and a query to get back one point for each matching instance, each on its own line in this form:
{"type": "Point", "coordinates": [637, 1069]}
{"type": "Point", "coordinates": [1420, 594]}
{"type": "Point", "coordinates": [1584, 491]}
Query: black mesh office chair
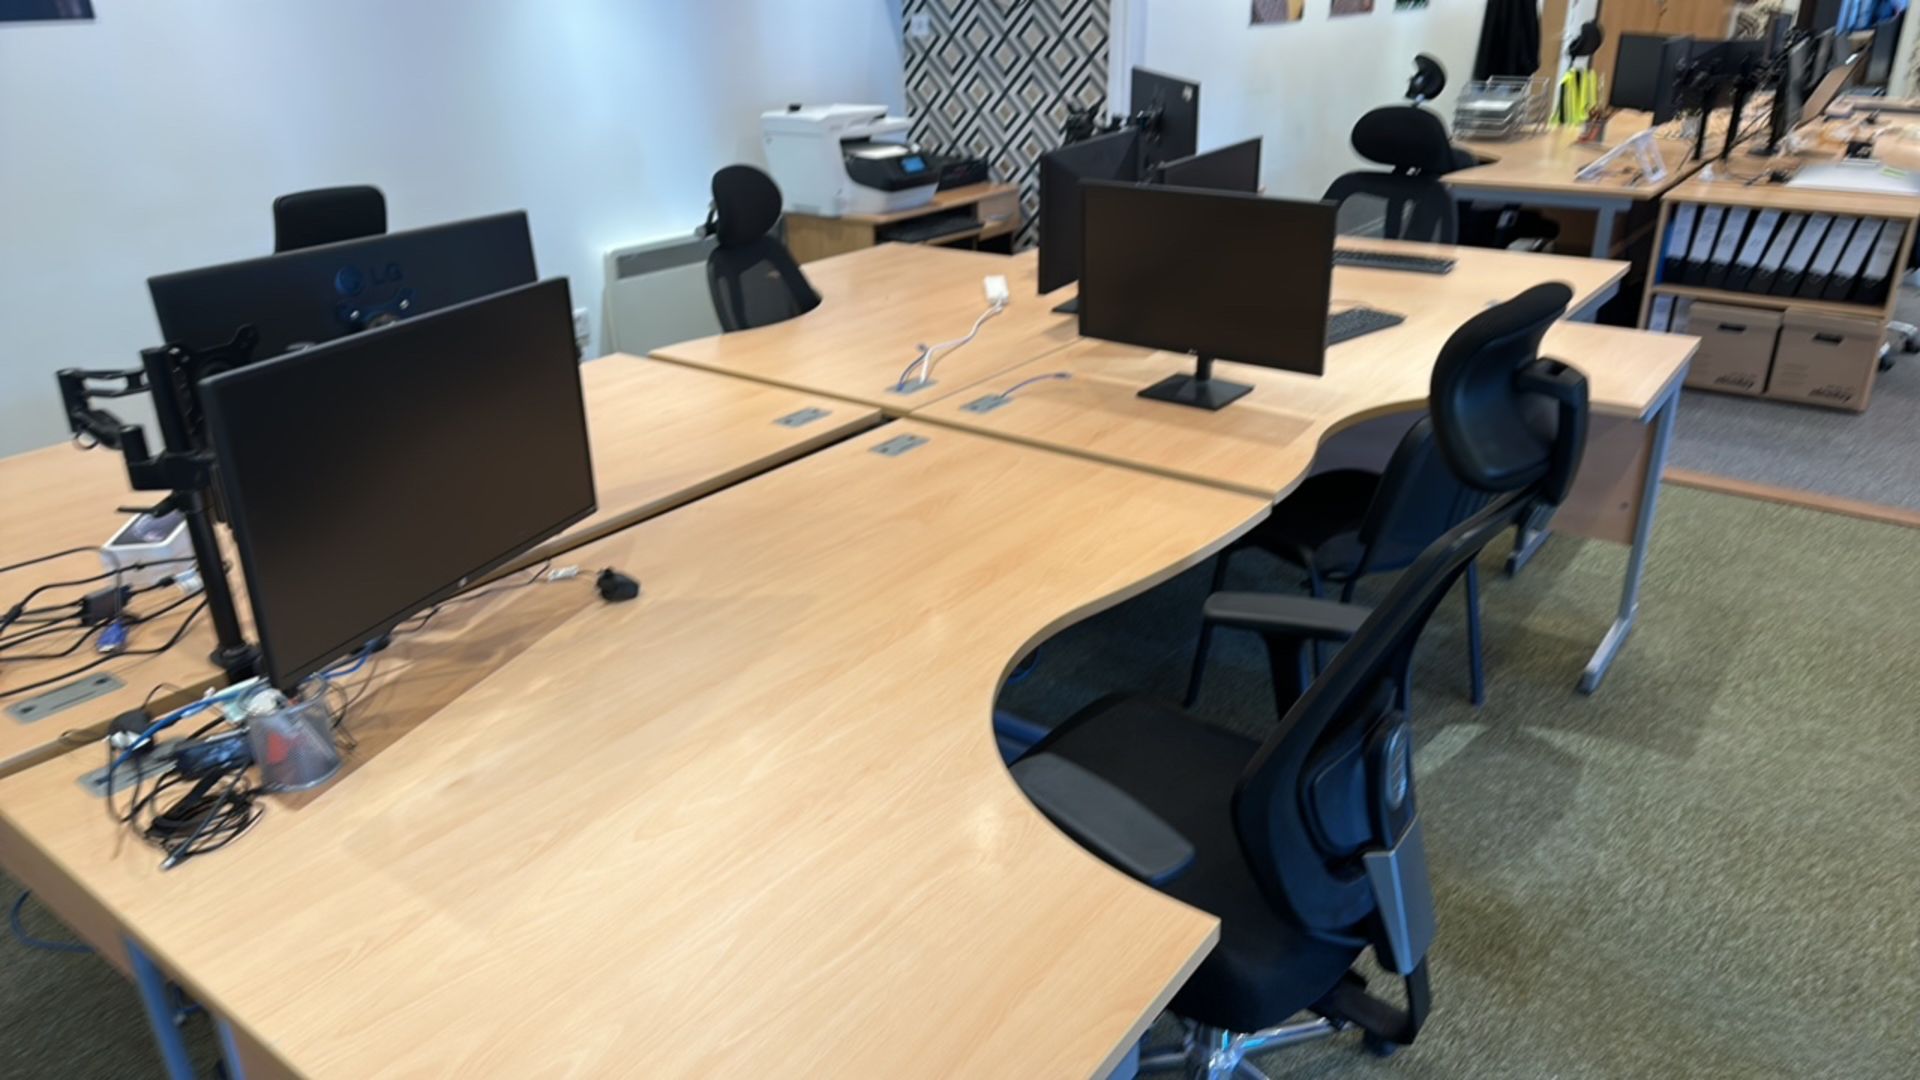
{"type": "Point", "coordinates": [751, 274]}
{"type": "Point", "coordinates": [1307, 844]}
{"type": "Point", "coordinates": [1345, 525]}
{"type": "Point", "coordinates": [1410, 202]}
{"type": "Point", "coordinates": [307, 219]}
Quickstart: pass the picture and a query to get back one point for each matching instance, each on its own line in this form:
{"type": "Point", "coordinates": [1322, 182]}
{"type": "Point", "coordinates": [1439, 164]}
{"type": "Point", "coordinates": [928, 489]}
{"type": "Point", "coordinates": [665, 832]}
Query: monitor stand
{"type": "Point", "coordinates": [1070, 307]}
{"type": "Point", "coordinates": [1199, 390]}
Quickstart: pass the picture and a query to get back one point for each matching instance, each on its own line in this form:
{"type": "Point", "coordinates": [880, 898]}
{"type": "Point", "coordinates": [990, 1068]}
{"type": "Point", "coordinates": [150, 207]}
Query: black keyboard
{"type": "Point", "coordinates": [932, 227]}
{"type": "Point", "coordinates": [1382, 260]}
{"type": "Point", "coordinates": [1359, 322]}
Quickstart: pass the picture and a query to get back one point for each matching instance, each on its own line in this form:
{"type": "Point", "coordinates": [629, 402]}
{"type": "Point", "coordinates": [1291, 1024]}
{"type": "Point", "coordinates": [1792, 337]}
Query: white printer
{"type": "Point", "coordinates": [831, 160]}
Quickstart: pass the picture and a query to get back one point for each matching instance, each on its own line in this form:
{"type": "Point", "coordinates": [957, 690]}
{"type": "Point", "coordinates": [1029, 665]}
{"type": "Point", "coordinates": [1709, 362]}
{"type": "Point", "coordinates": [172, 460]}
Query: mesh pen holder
{"type": "Point", "coordinates": [293, 746]}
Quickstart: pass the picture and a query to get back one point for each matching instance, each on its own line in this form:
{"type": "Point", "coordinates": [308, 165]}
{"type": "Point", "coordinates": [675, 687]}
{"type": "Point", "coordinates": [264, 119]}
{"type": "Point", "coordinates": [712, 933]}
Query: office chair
{"type": "Point", "coordinates": [1410, 202]}
{"type": "Point", "coordinates": [1349, 524]}
{"type": "Point", "coordinates": [1307, 844]}
{"type": "Point", "coordinates": [751, 274]}
{"type": "Point", "coordinates": [307, 219]}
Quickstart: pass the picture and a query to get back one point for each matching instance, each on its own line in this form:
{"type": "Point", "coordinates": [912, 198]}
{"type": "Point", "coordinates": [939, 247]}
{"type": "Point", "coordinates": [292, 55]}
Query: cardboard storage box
{"type": "Point", "coordinates": [1736, 347]}
{"type": "Point", "coordinates": [1826, 360]}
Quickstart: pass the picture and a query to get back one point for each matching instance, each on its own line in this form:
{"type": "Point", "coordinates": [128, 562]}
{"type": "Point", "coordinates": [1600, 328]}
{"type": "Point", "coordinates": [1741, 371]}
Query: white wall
{"type": "Point", "coordinates": [156, 137]}
{"type": "Point", "coordinates": [1301, 86]}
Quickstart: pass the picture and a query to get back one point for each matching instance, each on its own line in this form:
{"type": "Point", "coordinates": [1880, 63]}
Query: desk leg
{"type": "Point", "coordinates": [1637, 558]}
{"type": "Point", "coordinates": [1603, 231]}
{"type": "Point", "coordinates": [161, 1016]}
{"type": "Point", "coordinates": [166, 1031]}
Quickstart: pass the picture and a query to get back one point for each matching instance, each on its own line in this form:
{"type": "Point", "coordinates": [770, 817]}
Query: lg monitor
{"type": "Point", "coordinates": [1219, 275]}
{"type": "Point", "coordinates": [1171, 107]}
{"type": "Point", "coordinates": [371, 477]}
{"type": "Point", "coordinates": [1115, 156]}
{"type": "Point", "coordinates": [314, 295]}
{"type": "Point", "coordinates": [1230, 168]}
{"type": "Point", "coordinates": [1647, 73]}
{"type": "Point", "coordinates": [1789, 95]}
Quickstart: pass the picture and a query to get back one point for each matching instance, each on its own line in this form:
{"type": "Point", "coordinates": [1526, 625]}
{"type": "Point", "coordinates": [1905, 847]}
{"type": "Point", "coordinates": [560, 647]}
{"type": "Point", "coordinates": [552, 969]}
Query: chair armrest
{"type": "Point", "coordinates": [1104, 819]}
{"type": "Point", "coordinates": [1299, 617]}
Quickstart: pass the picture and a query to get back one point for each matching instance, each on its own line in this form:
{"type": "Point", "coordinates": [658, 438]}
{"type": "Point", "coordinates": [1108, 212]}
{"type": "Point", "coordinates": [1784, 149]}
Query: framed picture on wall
{"type": "Point", "coordinates": [1351, 7]}
{"type": "Point", "coordinates": [1268, 12]}
{"type": "Point", "coordinates": [1404, 5]}
{"type": "Point", "coordinates": [44, 10]}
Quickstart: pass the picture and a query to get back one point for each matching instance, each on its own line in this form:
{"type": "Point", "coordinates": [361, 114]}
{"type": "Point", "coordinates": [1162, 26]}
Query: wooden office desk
{"type": "Point", "coordinates": [876, 306]}
{"type": "Point", "coordinates": [63, 497]}
{"type": "Point", "coordinates": [995, 209]}
{"type": "Point", "coordinates": [662, 435]}
{"type": "Point", "coordinates": [1540, 170]}
{"type": "Point", "coordinates": [754, 823]}
{"type": "Point", "coordinates": [1266, 443]}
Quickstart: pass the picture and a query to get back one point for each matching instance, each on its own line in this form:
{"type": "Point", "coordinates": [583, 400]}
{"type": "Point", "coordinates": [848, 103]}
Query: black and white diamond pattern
{"type": "Point", "coordinates": [998, 76]}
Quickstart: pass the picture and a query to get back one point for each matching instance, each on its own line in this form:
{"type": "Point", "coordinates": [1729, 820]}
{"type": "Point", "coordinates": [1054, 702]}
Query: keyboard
{"type": "Point", "coordinates": [1359, 322]}
{"type": "Point", "coordinates": [1381, 260]}
{"type": "Point", "coordinates": [932, 227]}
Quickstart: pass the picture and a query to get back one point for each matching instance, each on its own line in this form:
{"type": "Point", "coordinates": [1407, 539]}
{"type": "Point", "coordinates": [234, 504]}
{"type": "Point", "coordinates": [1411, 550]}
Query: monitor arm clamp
{"type": "Point", "coordinates": [183, 469]}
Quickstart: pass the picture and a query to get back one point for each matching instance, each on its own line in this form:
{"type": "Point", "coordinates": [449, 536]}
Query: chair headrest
{"type": "Point", "coordinates": [1492, 398]}
{"type": "Point", "coordinates": [1404, 137]}
{"type": "Point", "coordinates": [746, 204]}
{"type": "Point", "coordinates": [1429, 79]}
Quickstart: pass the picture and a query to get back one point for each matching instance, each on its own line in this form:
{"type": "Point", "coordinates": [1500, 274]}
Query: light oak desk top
{"type": "Point", "coordinates": [664, 434]}
{"type": "Point", "coordinates": [876, 306]}
{"type": "Point", "coordinates": [63, 497]}
{"type": "Point", "coordinates": [1265, 442]}
{"type": "Point", "coordinates": [661, 435]}
{"type": "Point", "coordinates": [754, 823]}
{"type": "Point", "coordinates": [1547, 163]}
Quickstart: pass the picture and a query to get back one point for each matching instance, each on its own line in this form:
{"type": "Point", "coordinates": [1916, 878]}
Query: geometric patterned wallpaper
{"type": "Point", "coordinates": [996, 78]}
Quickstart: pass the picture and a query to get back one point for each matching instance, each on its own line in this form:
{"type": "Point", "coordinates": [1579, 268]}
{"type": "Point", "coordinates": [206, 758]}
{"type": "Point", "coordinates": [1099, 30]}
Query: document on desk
{"type": "Point", "coordinates": [1794, 270]}
{"type": "Point", "coordinates": [1679, 236]}
{"type": "Point", "coordinates": [1724, 249]}
{"type": "Point", "coordinates": [1853, 261]}
{"type": "Point", "coordinates": [1873, 281]}
{"type": "Point", "coordinates": [1748, 260]}
{"type": "Point", "coordinates": [1827, 258]}
{"type": "Point", "coordinates": [1776, 257]}
{"type": "Point", "coordinates": [1701, 253]}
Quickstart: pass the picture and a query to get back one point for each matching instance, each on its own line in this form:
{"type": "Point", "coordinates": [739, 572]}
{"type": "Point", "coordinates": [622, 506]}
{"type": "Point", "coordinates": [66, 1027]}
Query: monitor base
{"type": "Point", "coordinates": [1071, 307]}
{"type": "Point", "coordinates": [1198, 393]}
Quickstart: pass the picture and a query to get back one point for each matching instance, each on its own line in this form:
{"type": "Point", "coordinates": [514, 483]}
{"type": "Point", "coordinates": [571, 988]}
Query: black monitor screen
{"type": "Point", "coordinates": [1217, 274]}
{"type": "Point", "coordinates": [1108, 157]}
{"type": "Point", "coordinates": [369, 478]}
{"type": "Point", "coordinates": [310, 295]}
{"type": "Point", "coordinates": [1177, 103]}
{"type": "Point", "coordinates": [1230, 168]}
{"type": "Point", "coordinates": [1646, 74]}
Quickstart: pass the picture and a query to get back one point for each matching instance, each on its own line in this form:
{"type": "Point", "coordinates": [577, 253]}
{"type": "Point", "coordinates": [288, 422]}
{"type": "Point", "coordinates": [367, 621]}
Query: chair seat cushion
{"type": "Point", "coordinates": [1323, 516]}
{"type": "Point", "coordinates": [1265, 969]}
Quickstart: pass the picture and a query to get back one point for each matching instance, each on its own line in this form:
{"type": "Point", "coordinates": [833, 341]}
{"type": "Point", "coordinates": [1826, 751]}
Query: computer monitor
{"type": "Point", "coordinates": [1230, 168]}
{"type": "Point", "coordinates": [1789, 95]}
{"type": "Point", "coordinates": [1221, 275]}
{"type": "Point", "coordinates": [1114, 156]}
{"type": "Point", "coordinates": [1174, 106]}
{"type": "Point", "coordinates": [371, 477]}
{"type": "Point", "coordinates": [1647, 74]}
{"type": "Point", "coordinates": [312, 295]}
{"type": "Point", "coordinates": [1828, 90]}
{"type": "Point", "coordinates": [1728, 58]}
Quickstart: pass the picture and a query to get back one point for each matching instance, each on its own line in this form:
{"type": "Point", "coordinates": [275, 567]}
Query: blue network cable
{"type": "Point", "coordinates": [20, 931]}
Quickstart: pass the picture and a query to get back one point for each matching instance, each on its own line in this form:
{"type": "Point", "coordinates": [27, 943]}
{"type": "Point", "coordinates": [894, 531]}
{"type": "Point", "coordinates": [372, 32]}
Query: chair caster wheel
{"type": "Point", "coordinates": [1886, 363]}
{"type": "Point", "coordinates": [1379, 1047]}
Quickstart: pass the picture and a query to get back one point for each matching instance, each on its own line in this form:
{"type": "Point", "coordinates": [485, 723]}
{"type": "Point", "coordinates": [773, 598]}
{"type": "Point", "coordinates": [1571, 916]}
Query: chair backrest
{"type": "Point", "coordinates": [307, 219]}
{"type": "Point", "coordinates": [1398, 207]}
{"type": "Point", "coordinates": [1419, 498]}
{"type": "Point", "coordinates": [1332, 785]}
{"type": "Point", "coordinates": [1408, 139]}
{"type": "Point", "coordinates": [752, 277]}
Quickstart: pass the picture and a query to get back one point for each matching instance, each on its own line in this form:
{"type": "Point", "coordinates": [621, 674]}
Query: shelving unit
{"type": "Point", "coordinates": [1902, 210]}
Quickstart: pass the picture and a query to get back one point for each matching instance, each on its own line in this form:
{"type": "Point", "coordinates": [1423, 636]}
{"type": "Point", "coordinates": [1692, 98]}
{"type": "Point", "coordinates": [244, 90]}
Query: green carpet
{"type": "Point", "coordinates": [1706, 870]}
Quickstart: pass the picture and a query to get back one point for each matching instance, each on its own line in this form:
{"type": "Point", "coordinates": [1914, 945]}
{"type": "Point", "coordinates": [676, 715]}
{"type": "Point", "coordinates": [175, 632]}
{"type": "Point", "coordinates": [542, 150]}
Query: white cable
{"type": "Point", "coordinates": [928, 353]}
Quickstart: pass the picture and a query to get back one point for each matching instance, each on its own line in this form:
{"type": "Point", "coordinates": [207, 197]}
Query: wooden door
{"type": "Point", "coordinates": [1690, 18]}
